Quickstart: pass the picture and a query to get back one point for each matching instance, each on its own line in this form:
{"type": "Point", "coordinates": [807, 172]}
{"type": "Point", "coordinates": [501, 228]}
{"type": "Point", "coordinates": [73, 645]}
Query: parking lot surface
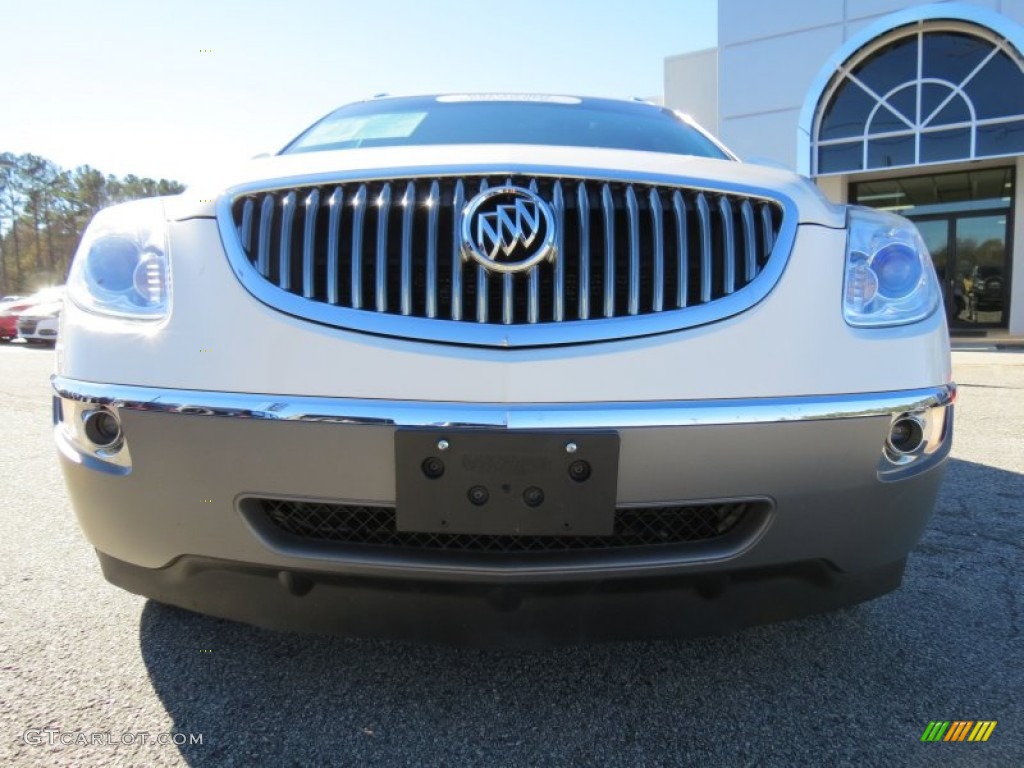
{"type": "Point", "coordinates": [92, 676]}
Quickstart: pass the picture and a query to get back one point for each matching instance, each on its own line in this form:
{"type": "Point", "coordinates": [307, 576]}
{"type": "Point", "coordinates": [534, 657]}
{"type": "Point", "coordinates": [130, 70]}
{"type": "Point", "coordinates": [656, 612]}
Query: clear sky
{"type": "Point", "coordinates": [129, 87]}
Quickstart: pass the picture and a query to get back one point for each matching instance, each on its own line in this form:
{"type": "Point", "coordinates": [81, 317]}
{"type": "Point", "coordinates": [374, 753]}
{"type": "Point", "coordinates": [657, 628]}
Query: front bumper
{"type": "Point", "coordinates": [38, 329]}
{"type": "Point", "coordinates": [171, 511]}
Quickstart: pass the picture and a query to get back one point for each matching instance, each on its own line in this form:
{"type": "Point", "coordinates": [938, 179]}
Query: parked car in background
{"type": "Point", "coordinates": [12, 307]}
{"type": "Point", "coordinates": [503, 369]}
{"type": "Point", "coordinates": [986, 289]}
{"type": "Point", "coordinates": [39, 323]}
{"type": "Point", "coordinates": [9, 310]}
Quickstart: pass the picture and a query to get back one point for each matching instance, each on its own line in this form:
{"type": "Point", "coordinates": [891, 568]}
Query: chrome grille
{"type": "Point", "coordinates": [633, 258]}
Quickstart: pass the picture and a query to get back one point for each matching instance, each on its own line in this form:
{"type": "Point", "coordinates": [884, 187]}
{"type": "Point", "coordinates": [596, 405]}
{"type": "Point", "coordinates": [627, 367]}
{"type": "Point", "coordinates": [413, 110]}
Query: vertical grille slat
{"type": "Point", "coordinates": [658, 236]}
{"type": "Point", "coordinates": [335, 204]}
{"type": "Point", "coordinates": [767, 229]}
{"type": "Point", "coordinates": [245, 230]}
{"type": "Point", "coordinates": [559, 210]}
{"type": "Point", "coordinates": [729, 238]}
{"type": "Point", "coordinates": [682, 249]}
{"type": "Point", "coordinates": [749, 241]}
{"type": "Point", "coordinates": [583, 217]}
{"type": "Point", "coordinates": [558, 206]}
{"type": "Point", "coordinates": [381, 271]}
{"type": "Point", "coordinates": [704, 217]}
{"type": "Point", "coordinates": [608, 211]}
{"type": "Point", "coordinates": [458, 200]}
{"type": "Point", "coordinates": [308, 243]}
{"type": "Point", "coordinates": [533, 282]}
{"type": "Point", "coordinates": [481, 294]}
{"type": "Point", "coordinates": [482, 275]}
{"type": "Point", "coordinates": [284, 263]}
{"type": "Point", "coordinates": [632, 218]}
{"type": "Point", "coordinates": [622, 249]}
{"type": "Point", "coordinates": [508, 289]}
{"type": "Point", "coordinates": [433, 211]}
{"type": "Point", "coordinates": [358, 221]}
{"type": "Point", "coordinates": [266, 221]}
{"type": "Point", "coordinates": [408, 209]}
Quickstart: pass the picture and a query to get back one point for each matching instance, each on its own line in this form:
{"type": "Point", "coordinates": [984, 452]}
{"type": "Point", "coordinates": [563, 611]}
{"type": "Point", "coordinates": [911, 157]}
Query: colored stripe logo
{"type": "Point", "coordinates": [959, 730]}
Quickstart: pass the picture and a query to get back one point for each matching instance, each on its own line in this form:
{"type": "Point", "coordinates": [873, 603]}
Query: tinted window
{"type": "Point", "coordinates": [1001, 138]}
{"type": "Point", "coordinates": [952, 56]}
{"type": "Point", "coordinates": [847, 113]}
{"type": "Point", "coordinates": [488, 120]}
{"type": "Point", "coordinates": [940, 193]}
{"type": "Point", "coordinates": [937, 146]}
{"type": "Point", "coordinates": [840, 157]}
{"type": "Point", "coordinates": [891, 151]}
{"type": "Point", "coordinates": [996, 90]}
{"type": "Point", "coordinates": [929, 97]}
{"type": "Point", "coordinates": [893, 65]}
{"type": "Point", "coordinates": [902, 102]}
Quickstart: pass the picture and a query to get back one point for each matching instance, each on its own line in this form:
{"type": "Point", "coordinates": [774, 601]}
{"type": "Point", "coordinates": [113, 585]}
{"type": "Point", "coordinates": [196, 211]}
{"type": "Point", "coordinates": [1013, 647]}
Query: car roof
{"type": "Point", "coordinates": [568, 100]}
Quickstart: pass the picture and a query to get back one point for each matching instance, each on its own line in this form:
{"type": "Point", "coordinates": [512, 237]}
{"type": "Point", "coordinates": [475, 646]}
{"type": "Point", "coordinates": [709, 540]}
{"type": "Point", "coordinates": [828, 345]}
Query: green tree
{"type": "Point", "coordinates": [44, 209]}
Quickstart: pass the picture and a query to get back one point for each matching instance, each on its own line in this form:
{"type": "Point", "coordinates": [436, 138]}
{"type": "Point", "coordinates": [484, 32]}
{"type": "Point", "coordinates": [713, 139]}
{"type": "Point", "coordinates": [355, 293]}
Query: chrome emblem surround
{"type": "Point", "coordinates": [508, 229]}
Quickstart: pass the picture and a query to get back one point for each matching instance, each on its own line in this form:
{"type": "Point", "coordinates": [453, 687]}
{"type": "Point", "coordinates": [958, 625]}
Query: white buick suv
{"type": "Point", "coordinates": [503, 369]}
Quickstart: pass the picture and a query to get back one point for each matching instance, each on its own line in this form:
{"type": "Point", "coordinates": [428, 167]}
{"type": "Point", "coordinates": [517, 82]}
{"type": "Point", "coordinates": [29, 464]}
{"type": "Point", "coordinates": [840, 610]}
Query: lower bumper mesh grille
{"type": "Point", "coordinates": [634, 527]}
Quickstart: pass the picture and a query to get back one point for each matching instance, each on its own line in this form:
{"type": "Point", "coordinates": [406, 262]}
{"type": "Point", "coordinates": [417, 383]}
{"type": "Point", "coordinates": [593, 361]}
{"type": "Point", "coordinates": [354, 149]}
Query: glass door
{"type": "Point", "coordinates": [935, 233]}
{"type": "Point", "coordinates": [982, 264]}
{"type": "Point", "coordinates": [970, 256]}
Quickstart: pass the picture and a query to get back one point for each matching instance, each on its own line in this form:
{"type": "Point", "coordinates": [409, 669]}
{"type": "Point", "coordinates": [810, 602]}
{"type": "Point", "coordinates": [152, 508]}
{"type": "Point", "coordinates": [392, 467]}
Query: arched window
{"type": "Point", "coordinates": [932, 93]}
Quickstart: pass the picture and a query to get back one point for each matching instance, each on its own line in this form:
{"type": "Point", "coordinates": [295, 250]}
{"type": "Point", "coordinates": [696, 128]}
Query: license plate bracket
{"type": "Point", "coordinates": [576, 475]}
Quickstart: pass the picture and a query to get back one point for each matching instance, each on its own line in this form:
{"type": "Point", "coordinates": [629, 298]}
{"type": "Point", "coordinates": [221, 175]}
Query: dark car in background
{"type": "Point", "coordinates": [986, 289]}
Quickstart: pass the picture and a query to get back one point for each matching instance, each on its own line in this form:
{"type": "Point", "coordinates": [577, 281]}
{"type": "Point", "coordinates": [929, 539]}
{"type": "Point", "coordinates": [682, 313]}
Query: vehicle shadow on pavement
{"type": "Point", "coordinates": [862, 683]}
{"type": "Point", "coordinates": [32, 347]}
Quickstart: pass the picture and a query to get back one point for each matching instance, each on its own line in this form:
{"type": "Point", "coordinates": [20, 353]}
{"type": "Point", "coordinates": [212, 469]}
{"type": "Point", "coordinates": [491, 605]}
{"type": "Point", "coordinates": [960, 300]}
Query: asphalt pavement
{"type": "Point", "coordinates": [93, 676]}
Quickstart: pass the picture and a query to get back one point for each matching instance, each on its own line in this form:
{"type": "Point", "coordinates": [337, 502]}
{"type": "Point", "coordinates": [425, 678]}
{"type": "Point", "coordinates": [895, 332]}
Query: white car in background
{"type": "Point", "coordinates": [39, 324]}
{"type": "Point", "coordinates": [503, 369]}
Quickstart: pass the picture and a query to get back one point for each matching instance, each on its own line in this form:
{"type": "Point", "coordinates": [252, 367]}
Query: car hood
{"type": "Point", "coordinates": [200, 199]}
{"type": "Point", "coordinates": [14, 307]}
{"type": "Point", "coordinates": [50, 309]}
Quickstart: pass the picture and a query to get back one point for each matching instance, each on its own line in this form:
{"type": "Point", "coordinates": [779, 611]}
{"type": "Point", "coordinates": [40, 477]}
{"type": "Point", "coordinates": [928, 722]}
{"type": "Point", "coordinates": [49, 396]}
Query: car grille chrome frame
{"type": "Point", "coordinates": [380, 252]}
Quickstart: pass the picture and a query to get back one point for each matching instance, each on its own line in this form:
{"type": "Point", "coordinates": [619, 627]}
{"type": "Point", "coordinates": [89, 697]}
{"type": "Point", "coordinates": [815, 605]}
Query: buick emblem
{"type": "Point", "coordinates": [508, 229]}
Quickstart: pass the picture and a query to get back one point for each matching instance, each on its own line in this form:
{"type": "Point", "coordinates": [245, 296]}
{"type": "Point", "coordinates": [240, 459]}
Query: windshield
{"type": "Point", "coordinates": [499, 119]}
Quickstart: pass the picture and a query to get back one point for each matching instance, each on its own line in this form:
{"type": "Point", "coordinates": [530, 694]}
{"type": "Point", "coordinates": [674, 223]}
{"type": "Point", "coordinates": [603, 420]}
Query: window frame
{"type": "Point", "coordinates": [923, 124]}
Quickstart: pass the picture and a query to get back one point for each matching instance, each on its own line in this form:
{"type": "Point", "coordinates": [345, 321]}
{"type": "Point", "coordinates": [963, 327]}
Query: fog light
{"type": "Point", "coordinates": [906, 436]}
{"type": "Point", "coordinates": [102, 429]}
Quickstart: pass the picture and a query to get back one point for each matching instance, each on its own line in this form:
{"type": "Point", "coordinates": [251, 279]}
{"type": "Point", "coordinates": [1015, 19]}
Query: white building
{"type": "Point", "coordinates": [916, 108]}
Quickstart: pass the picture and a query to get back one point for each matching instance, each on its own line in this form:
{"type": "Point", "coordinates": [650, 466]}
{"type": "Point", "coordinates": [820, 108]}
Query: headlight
{"type": "Point", "coordinates": [890, 279]}
{"type": "Point", "coordinates": [121, 266]}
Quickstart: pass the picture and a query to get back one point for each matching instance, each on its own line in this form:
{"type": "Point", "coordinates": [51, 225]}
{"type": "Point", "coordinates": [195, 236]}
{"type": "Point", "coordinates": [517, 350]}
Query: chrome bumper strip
{"type": "Point", "coordinates": [411, 413]}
